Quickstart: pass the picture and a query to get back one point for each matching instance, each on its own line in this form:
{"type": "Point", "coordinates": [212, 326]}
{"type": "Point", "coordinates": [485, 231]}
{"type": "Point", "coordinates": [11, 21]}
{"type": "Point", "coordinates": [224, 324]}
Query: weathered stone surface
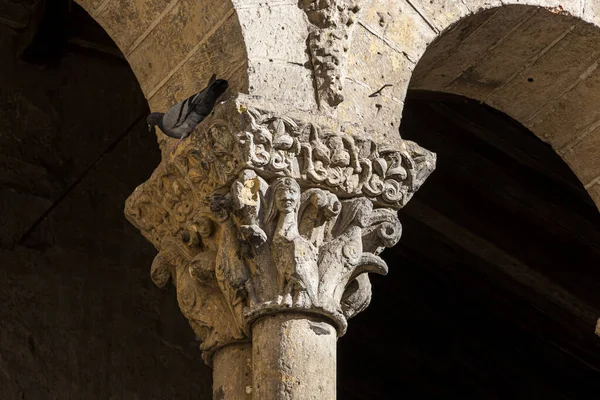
{"type": "Point", "coordinates": [549, 76]}
{"type": "Point", "coordinates": [446, 45]}
{"type": "Point", "coordinates": [294, 358]}
{"type": "Point", "coordinates": [467, 47]}
{"type": "Point", "coordinates": [186, 26]}
{"type": "Point", "coordinates": [573, 106]}
{"type": "Point", "coordinates": [259, 214]}
{"type": "Point", "coordinates": [373, 65]}
{"type": "Point", "coordinates": [127, 20]}
{"type": "Point", "coordinates": [398, 24]}
{"type": "Point", "coordinates": [520, 47]}
{"type": "Point", "coordinates": [440, 13]}
{"type": "Point", "coordinates": [232, 376]}
{"type": "Point", "coordinates": [218, 54]}
{"type": "Point", "coordinates": [542, 71]}
{"type": "Point", "coordinates": [288, 23]}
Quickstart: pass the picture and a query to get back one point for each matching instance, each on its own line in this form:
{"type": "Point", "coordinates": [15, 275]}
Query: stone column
{"type": "Point", "coordinates": [232, 376]}
{"type": "Point", "coordinates": [294, 357]}
{"type": "Point", "coordinates": [269, 226]}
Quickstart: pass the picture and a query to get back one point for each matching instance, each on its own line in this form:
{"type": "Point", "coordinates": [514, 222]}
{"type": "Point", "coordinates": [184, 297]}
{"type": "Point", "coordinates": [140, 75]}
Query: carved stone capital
{"type": "Point", "coordinates": [259, 213]}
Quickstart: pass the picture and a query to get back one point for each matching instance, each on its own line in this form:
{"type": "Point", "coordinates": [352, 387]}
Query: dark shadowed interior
{"type": "Point", "coordinates": [491, 290]}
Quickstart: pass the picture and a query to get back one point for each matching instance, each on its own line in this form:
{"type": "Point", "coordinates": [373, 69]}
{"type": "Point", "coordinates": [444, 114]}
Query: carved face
{"type": "Point", "coordinates": [204, 227]}
{"type": "Point", "coordinates": [287, 195]}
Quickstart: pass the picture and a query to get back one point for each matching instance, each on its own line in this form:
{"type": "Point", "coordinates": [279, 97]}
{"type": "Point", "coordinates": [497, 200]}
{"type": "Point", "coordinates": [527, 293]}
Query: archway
{"type": "Point", "coordinates": [492, 292]}
{"type": "Point", "coordinates": [80, 317]}
{"type": "Point", "coordinates": [538, 65]}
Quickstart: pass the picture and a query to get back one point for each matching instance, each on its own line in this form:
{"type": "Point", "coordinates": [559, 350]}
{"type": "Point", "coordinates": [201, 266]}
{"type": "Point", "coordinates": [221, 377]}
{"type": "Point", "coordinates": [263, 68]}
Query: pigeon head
{"type": "Point", "coordinates": [155, 119]}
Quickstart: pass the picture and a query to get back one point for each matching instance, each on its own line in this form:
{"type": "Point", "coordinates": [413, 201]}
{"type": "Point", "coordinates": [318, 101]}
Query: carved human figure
{"type": "Point", "coordinates": [231, 271]}
{"type": "Point", "coordinates": [295, 257]}
{"type": "Point", "coordinates": [246, 194]}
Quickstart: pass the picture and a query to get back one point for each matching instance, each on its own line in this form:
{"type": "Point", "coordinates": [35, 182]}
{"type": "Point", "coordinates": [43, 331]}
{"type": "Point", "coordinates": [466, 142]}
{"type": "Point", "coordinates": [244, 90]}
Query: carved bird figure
{"type": "Point", "coordinates": [181, 119]}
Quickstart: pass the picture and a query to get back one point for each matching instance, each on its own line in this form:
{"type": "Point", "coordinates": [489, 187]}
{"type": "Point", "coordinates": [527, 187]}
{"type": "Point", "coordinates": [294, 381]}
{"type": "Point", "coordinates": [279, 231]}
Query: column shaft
{"type": "Point", "coordinates": [232, 373]}
{"type": "Point", "coordinates": [294, 358]}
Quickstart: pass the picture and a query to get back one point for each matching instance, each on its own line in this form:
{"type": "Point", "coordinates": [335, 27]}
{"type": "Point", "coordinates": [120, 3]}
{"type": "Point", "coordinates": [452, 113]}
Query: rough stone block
{"type": "Point", "coordinates": [179, 31]}
{"type": "Point", "coordinates": [469, 47]}
{"type": "Point", "coordinates": [217, 55]}
{"type": "Point", "coordinates": [591, 11]}
{"type": "Point", "coordinates": [440, 13]}
{"type": "Point", "coordinates": [400, 24]}
{"type": "Point", "coordinates": [479, 5]}
{"type": "Point", "coordinates": [445, 45]}
{"type": "Point", "coordinates": [380, 115]}
{"type": "Point", "coordinates": [375, 63]}
{"type": "Point", "coordinates": [551, 75]}
{"type": "Point", "coordinates": [127, 20]}
{"type": "Point", "coordinates": [514, 51]}
{"type": "Point", "coordinates": [562, 7]}
{"type": "Point", "coordinates": [570, 115]}
{"type": "Point", "coordinates": [286, 85]}
{"type": "Point", "coordinates": [287, 27]}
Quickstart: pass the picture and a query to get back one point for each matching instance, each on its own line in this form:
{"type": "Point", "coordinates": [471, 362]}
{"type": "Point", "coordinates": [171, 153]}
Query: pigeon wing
{"type": "Point", "coordinates": [180, 113]}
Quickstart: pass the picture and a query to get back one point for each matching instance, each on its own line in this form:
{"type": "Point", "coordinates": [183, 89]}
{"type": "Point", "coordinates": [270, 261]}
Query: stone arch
{"type": "Point", "coordinates": [174, 46]}
{"type": "Point", "coordinates": [537, 61]}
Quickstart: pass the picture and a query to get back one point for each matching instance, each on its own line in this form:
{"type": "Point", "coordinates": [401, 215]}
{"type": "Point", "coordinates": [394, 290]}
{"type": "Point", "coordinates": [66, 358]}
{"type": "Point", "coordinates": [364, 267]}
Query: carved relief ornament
{"type": "Point", "coordinates": [331, 24]}
{"type": "Point", "coordinates": [261, 214]}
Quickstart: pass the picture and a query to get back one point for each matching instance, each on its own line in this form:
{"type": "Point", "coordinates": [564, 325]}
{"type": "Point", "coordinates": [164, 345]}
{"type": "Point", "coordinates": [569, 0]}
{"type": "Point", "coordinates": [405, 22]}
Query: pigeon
{"type": "Point", "coordinates": [181, 119]}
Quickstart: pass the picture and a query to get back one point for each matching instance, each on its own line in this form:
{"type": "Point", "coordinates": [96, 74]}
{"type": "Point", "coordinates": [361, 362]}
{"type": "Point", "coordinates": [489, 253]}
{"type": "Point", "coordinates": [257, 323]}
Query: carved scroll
{"type": "Point", "coordinates": [263, 214]}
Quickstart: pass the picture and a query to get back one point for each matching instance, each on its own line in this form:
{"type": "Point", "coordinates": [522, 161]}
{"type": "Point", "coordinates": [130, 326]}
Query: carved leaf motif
{"type": "Point", "coordinates": [357, 296]}
{"type": "Point", "coordinates": [160, 272]}
{"type": "Point", "coordinates": [261, 213]}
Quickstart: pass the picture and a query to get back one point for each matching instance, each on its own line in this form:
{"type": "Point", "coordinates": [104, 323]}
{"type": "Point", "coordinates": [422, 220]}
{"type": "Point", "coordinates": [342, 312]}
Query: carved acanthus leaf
{"type": "Point", "coordinates": [261, 214]}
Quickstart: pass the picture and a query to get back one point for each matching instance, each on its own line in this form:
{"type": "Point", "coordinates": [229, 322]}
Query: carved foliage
{"type": "Point", "coordinates": [264, 247]}
{"type": "Point", "coordinates": [273, 146]}
{"type": "Point", "coordinates": [346, 165]}
{"type": "Point", "coordinates": [198, 294]}
{"type": "Point", "coordinates": [328, 41]}
{"type": "Point", "coordinates": [305, 249]}
{"type": "Point", "coordinates": [260, 214]}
